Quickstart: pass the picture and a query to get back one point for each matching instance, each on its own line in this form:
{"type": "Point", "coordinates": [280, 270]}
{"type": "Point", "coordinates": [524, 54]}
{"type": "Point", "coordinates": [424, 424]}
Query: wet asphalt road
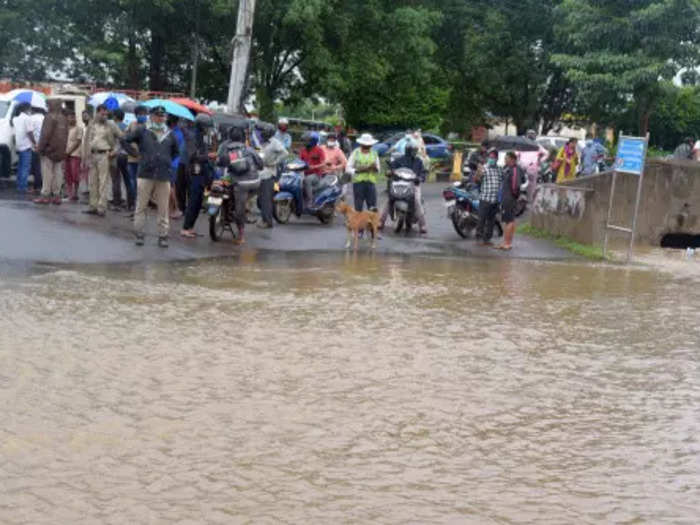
{"type": "Point", "coordinates": [62, 234]}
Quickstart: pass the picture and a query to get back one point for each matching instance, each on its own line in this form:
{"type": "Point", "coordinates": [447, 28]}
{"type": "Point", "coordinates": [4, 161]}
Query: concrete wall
{"type": "Point", "coordinates": [670, 204]}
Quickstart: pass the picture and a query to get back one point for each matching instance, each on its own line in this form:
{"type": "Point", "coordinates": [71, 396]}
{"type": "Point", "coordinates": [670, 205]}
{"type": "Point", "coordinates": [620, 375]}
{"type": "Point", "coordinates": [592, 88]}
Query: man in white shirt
{"type": "Point", "coordinates": [23, 144]}
{"type": "Point", "coordinates": [36, 120]}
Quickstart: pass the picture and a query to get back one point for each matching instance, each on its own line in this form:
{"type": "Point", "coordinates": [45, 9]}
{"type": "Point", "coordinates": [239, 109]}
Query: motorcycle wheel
{"type": "Point", "coordinates": [326, 215]}
{"type": "Point", "coordinates": [400, 219]}
{"type": "Point", "coordinates": [282, 211]}
{"type": "Point", "coordinates": [217, 225]}
{"type": "Point", "coordinates": [463, 228]}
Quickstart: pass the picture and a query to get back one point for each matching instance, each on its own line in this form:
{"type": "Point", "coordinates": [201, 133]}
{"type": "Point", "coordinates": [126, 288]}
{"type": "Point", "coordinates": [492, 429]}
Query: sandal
{"type": "Point", "coordinates": [188, 234]}
{"type": "Point", "coordinates": [504, 248]}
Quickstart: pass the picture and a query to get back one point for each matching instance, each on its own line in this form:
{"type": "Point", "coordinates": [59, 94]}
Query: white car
{"type": "Point", "coordinates": [8, 110]}
{"type": "Point", "coordinates": [7, 135]}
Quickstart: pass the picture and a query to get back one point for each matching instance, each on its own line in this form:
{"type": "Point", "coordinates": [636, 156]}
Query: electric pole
{"type": "Point", "coordinates": [242, 43]}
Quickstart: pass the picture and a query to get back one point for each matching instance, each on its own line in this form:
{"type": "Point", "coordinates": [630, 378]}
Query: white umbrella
{"type": "Point", "coordinates": [34, 98]}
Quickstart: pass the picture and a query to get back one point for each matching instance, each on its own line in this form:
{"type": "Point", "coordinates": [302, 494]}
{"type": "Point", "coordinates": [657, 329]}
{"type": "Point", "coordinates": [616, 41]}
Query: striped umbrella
{"type": "Point", "coordinates": [34, 98]}
{"type": "Point", "coordinates": [110, 99]}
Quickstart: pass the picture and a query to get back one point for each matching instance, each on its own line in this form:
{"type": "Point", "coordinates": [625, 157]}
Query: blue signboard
{"type": "Point", "coordinates": [631, 152]}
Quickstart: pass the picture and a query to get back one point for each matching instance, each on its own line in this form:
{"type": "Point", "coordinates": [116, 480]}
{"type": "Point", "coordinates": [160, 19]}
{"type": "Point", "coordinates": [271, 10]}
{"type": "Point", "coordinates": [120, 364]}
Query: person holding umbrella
{"type": "Point", "coordinates": [157, 149]}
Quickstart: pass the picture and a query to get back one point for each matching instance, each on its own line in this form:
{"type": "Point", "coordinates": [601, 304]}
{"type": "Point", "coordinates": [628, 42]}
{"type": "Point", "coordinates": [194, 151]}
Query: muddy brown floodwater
{"type": "Point", "coordinates": [331, 389]}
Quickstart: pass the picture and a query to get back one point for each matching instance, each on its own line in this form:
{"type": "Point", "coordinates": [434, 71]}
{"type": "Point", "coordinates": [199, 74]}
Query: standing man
{"type": "Point", "coordinates": [514, 182]}
{"type": "Point", "coordinates": [684, 151]}
{"type": "Point", "coordinates": [282, 135]}
{"type": "Point", "coordinates": [157, 149]}
{"type": "Point", "coordinates": [364, 167]}
{"type": "Point", "coordinates": [593, 153]}
{"type": "Point", "coordinates": [173, 124]}
{"type": "Point", "coordinates": [24, 142]}
{"type": "Point", "coordinates": [273, 153]}
{"type": "Point", "coordinates": [490, 178]}
{"type": "Point", "coordinates": [52, 148]}
{"type": "Point", "coordinates": [36, 121]}
{"type": "Point", "coordinates": [114, 169]}
{"type": "Point", "coordinates": [103, 142]}
{"type": "Point", "coordinates": [199, 172]}
{"type": "Point", "coordinates": [73, 150]}
{"type": "Point", "coordinates": [141, 113]}
{"type": "Point", "coordinates": [85, 151]}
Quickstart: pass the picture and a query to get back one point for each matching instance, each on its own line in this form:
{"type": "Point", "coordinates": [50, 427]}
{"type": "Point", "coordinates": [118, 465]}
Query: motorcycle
{"type": "Point", "coordinates": [221, 202]}
{"type": "Point", "coordinates": [402, 202]}
{"type": "Point", "coordinates": [290, 197]}
{"type": "Point", "coordinates": [462, 203]}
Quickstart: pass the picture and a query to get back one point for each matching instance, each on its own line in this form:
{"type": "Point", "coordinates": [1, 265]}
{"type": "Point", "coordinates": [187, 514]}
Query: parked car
{"type": "Point", "coordinates": [437, 147]}
{"type": "Point", "coordinates": [8, 111]}
{"type": "Point", "coordinates": [7, 135]}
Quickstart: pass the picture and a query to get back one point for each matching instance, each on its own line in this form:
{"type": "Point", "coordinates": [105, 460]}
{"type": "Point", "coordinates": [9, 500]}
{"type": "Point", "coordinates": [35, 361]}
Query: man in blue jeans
{"type": "Point", "coordinates": [23, 143]}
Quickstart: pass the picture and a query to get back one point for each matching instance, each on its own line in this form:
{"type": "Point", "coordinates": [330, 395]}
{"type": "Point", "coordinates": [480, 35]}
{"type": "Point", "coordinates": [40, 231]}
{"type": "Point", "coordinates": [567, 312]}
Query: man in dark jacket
{"type": "Point", "coordinates": [52, 148]}
{"type": "Point", "coordinates": [413, 162]}
{"type": "Point", "coordinates": [198, 171]}
{"type": "Point", "coordinates": [514, 182]}
{"type": "Point", "coordinates": [157, 149]}
{"type": "Point", "coordinates": [235, 146]}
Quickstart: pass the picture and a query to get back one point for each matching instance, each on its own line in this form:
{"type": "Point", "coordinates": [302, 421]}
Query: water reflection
{"type": "Point", "coordinates": [346, 389]}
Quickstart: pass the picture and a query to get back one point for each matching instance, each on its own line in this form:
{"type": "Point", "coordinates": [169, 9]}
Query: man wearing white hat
{"type": "Point", "coordinates": [364, 167]}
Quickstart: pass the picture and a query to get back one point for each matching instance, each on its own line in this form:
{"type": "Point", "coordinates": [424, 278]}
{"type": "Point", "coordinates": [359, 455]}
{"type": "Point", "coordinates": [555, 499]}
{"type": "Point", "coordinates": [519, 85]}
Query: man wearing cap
{"type": "Point", "coordinates": [103, 142]}
{"type": "Point", "coordinates": [157, 149]}
{"type": "Point", "coordinates": [364, 167]}
{"type": "Point", "coordinates": [282, 136]}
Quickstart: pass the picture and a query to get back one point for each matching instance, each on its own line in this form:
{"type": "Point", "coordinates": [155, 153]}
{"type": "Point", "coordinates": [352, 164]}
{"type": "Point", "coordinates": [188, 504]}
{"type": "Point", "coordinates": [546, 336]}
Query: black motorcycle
{"type": "Point", "coordinates": [221, 202]}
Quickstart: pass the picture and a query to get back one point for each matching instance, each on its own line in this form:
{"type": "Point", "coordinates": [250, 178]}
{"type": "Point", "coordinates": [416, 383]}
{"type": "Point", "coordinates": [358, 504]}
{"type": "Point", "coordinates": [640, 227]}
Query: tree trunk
{"type": "Point", "coordinates": [266, 103]}
{"type": "Point", "coordinates": [132, 65]}
{"type": "Point", "coordinates": [156, 78]}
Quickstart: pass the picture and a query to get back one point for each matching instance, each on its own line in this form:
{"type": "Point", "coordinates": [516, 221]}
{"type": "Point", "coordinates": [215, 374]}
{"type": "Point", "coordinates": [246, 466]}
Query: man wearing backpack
{"type": "Point", "coordinates": [241, 163]}
{"type": "Point", "coordinates": [514, 182]}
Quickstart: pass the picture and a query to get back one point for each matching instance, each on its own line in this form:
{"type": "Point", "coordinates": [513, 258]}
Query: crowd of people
{"type": "Point", "coordinates": [167, 163]}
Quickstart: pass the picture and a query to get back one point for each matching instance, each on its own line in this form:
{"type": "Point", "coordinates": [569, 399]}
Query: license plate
{"type": "Point", "coordinates": [215, 201]}
{"type": "Point", "coordinates": [449, 204]}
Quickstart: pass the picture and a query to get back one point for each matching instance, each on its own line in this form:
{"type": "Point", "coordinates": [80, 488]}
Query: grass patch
{"type": "Point", "coordinates": [588, 251]}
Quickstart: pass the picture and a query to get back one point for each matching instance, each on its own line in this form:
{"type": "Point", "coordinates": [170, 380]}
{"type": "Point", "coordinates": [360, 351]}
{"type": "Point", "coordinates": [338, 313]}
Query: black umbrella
{"type": "Point", "coordinates": [513, 143]}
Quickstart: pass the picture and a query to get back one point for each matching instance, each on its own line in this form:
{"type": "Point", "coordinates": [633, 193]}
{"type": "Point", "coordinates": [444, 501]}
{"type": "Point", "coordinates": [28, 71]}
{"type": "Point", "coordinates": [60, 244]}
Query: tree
{"type": "Point", "coordinates": [384, 72]}
{"type": "Point", "coordinates": [618, 51]}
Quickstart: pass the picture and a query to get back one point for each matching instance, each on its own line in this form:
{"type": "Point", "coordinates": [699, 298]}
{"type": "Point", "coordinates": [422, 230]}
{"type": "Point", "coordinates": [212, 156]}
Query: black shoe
{"type": "Point", "coordinates": [163, 242]}
{"type": "Point", "coordinates": [91, 211]}
{"type": "Point", "coordinates": [139, 240]}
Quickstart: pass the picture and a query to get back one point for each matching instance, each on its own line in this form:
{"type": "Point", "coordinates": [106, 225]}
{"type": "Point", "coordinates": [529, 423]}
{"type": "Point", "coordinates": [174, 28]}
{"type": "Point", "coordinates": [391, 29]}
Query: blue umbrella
{"type": "Point", "coordinates": [171, 107]}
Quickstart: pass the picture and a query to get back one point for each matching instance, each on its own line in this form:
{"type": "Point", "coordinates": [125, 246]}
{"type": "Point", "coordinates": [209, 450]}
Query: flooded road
{"type": "Point", "coordinates": [335, 389]}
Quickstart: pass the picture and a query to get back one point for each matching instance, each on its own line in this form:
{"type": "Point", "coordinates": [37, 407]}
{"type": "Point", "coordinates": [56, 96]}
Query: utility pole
{"type": "Point", "coordinates": [195, 53]}
{"type": "Point", "coordinates": [242, 43]}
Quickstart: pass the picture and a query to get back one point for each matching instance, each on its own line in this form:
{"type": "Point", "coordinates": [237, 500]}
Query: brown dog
{"type": "Point", "coordinates": [357, 221]}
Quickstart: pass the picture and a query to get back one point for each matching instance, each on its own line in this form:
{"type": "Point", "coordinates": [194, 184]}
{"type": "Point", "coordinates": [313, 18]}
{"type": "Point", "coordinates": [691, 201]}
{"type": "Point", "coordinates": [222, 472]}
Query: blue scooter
{"type": "Point", "coordinates": [290, 197]}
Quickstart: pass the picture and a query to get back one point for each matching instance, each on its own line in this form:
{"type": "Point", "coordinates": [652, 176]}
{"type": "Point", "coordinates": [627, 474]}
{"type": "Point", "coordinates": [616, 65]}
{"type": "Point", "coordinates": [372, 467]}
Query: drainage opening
{"type": "Point", "coordinates": [680, 241]}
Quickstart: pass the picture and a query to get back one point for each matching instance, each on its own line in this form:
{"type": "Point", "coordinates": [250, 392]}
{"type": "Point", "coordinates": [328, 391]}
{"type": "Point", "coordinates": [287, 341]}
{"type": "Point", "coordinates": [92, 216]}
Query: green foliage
{"type": "Point", "coordinates": [588, 251]}
{"type": "Point", "coordinates": [618, 51]}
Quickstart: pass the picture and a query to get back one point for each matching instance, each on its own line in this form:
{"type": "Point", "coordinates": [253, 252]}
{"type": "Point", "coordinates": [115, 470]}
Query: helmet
{"type": "Point", "coordinates": [283, 121]}
{"type": "Point", "coordinates": [411, 149]}
{"type": "Point", "coordinates": [312, 139]}
{"type": "Point", "coordinates": [204, 121]}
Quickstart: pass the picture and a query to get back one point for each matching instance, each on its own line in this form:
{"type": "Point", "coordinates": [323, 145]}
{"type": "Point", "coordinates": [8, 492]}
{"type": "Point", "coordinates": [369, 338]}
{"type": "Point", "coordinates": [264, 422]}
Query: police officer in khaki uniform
{"type": "Point", "coordinates": [103, 143]}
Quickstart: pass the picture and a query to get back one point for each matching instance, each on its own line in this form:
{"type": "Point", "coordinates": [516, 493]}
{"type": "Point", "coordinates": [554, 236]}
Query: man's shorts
{"type": "Point", "coordinates": [508, 211]}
